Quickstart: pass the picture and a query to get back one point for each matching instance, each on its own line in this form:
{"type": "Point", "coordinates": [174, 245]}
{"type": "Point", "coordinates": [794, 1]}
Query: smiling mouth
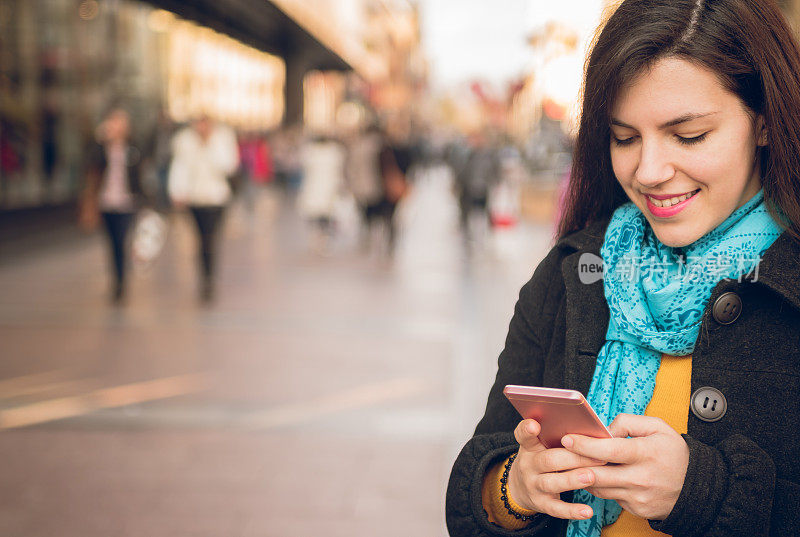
{"type": "Point", "coordinates": [671, 201]}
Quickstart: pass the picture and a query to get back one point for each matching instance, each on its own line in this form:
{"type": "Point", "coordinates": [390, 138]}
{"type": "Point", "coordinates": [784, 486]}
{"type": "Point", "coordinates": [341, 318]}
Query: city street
{"type": "Point", "coordinates": [318, 395]}
{"type": "Point", "coordinates": [258, 261]}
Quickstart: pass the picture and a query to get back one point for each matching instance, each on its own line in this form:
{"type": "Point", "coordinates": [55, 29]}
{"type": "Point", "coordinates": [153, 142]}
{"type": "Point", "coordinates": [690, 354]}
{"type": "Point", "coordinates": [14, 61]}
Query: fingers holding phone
{"type": "Point", "coordinates": [543, 468]}
{"type": "Point", "coordinates": [539, 475]}
{"type": "Point", "coordinates": [646, 472]}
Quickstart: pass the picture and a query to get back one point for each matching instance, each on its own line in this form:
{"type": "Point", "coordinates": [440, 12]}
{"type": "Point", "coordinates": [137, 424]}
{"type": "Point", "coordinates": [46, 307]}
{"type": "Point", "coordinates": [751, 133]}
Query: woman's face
{"type": "Point", "coordinates": [677, 132]}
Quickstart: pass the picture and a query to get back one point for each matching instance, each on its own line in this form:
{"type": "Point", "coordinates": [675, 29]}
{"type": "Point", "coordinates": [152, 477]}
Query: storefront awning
{"type": "Point", "coordinates": [260, 24]}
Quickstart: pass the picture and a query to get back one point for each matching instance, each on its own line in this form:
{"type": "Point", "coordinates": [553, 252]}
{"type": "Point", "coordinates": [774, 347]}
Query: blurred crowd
{"type": "Point", "coordinates": [361, 176]}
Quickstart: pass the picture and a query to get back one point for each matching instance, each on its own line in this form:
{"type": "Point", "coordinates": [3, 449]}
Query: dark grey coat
{"type": "Point", "coordinates": [743, 477]}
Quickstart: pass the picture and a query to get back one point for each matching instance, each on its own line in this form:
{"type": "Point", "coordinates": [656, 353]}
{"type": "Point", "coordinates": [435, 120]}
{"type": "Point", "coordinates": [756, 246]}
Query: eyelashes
{"type": "Point", "coordinates": [622, 142]}
{"type": "Point", "coordinates": [691, 141]}
{"type": "Point", "coordinates": [681, 140]}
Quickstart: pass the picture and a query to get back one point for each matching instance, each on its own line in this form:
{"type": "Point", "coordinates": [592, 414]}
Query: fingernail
{"type": "Point", "coordinates": [567, 442]}
{"type": "Point", "coordinates": [586, 513]}
{"type": "Point", "coordinates": [585, 478]}
{"type": "Point", "coordinates": [531, 428]}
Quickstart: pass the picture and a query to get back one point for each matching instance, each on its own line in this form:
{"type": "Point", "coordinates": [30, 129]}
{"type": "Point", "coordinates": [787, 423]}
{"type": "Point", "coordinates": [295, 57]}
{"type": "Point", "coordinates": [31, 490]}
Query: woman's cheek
{"type": "Point", "coordinates": [624, 167]}
{"type": "Point", "coordinates": [729, 157]}
{"type": "Point", "coordinates": [703, 167]}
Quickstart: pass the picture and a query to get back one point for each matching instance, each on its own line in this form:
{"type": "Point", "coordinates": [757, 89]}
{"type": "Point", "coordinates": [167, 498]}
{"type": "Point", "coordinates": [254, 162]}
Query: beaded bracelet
{"type": "Point", "coordinates": [504, 496]}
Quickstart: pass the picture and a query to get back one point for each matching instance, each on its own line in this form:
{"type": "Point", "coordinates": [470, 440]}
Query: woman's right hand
{"type": "Point", "coordinates": [539, 475]}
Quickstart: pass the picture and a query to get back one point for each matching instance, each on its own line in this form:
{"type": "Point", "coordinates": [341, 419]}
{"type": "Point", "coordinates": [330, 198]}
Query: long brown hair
{"type": "Point", "coordinates": [750, 47]}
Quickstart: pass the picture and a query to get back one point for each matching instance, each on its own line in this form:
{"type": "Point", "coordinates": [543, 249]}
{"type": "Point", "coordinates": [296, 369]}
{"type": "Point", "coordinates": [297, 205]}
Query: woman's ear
{"type": "Point", "coordinates": [761, 131]}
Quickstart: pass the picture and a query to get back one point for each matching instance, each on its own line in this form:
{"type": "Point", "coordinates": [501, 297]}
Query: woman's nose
{"type": "Point", "coordinates": [654, 165]}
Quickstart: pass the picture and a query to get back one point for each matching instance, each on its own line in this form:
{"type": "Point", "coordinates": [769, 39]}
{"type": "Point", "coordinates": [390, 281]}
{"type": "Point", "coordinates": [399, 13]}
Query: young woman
{"type": "Point", "coordinates": [113, 189]}
{"type": "Point", "coordinates": [686, 182]}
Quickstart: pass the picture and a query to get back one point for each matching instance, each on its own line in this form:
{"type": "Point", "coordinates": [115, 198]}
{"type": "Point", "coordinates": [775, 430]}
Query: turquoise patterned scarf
{"type": "Point", "coordinates": [656, 297]}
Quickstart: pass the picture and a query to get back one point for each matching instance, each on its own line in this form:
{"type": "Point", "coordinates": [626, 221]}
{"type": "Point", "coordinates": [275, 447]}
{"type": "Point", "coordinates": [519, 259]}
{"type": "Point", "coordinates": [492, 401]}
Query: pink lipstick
{"type": "Point", "coordinates": [666, 212]}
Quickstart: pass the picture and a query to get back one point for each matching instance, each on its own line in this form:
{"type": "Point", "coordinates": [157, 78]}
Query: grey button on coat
{"type": "Point", "coordinates": [743, 477]}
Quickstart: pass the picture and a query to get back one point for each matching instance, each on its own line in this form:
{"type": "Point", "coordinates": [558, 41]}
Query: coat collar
{"type": "Point", "coordinates": [780, 268]}
{"type": "Point", "coordinates": [586, 311]}
{"type": "Point", "coordinates": [588, 239]}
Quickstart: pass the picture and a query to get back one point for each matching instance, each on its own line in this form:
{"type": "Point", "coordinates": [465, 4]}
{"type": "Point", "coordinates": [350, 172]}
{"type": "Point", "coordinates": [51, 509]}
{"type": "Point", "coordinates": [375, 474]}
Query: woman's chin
{"type": "Point", "coordinates": [674, 239]}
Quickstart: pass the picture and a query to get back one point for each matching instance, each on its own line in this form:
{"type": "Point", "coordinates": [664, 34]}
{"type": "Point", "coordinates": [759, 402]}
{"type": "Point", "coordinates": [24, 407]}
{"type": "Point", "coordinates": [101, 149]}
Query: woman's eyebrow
{"type": "Point", "coordinates": [671, 123]}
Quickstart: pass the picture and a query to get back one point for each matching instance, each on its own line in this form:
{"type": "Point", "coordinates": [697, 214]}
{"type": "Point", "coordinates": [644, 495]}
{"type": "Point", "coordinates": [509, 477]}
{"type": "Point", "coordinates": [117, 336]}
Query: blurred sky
{"type": "Point", "coordinates": [468, 39]}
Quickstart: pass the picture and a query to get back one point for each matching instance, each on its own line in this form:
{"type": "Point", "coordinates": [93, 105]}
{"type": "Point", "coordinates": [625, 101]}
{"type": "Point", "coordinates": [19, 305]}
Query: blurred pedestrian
{"type": "Point", "coordinates": [323, 179]}
{"type": "Point", "coordinates": [256, 167]}
{"type": "Point", "coordinates": [364, 178]}
{"type": "Point", "coordinates": [503, 202]}
{"type": "Point", "coordinates": [480, 172]}
{"type": "Point", "coordinates": [395, 162]}
{"type": "Point", "coordinates": [113, 190]}
{"type": "Point", "coordinates": [205, 155]}
{"type": "Point", "coordinates": [286, 148]}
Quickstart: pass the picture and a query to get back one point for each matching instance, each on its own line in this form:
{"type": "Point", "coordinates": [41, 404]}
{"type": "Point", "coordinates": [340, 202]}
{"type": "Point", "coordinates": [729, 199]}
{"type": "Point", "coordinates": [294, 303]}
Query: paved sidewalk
{"type": "Point", "coordinates": [319, 395]}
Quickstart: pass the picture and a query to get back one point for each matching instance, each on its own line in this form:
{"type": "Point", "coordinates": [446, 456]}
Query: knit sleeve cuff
{"type": "Point", "coordinates": [493, 504]}
{"type": "Point", "coordinates": [728, 491]}
{"type": "Point", "coordinates": [465, 513]}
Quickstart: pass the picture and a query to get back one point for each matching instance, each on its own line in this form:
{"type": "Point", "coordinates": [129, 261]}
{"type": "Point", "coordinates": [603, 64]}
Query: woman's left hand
{"type": "Point", "coordinates": [649, 468]}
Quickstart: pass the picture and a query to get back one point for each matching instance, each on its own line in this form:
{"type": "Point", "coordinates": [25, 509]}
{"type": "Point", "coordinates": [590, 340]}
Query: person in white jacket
{"type": "Point", "coordinates": [323, 160]}
{"type": "Point", "coordinates": [205, 155]}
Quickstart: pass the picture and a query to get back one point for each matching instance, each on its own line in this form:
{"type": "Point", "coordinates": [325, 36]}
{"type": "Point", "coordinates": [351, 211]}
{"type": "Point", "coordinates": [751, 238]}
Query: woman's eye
{"type": "Point", "coordinates": [623, 141]}
{"type": "Point", "coordinates": [691, 141]}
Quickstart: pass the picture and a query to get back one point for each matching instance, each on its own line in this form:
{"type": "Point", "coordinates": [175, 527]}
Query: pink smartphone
{"type": "Point", "coordinates": [559, 412]}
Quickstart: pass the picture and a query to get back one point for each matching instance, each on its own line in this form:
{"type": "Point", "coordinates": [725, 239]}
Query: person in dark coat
{"type": "Point", "coordinates": [671, 299]}
{"type": "Point", "coordinates": [395, 159]}
{"type": "Point", "coordinates": [113, 190]}
{"type": "Point", "coordinates": [481, 171]}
